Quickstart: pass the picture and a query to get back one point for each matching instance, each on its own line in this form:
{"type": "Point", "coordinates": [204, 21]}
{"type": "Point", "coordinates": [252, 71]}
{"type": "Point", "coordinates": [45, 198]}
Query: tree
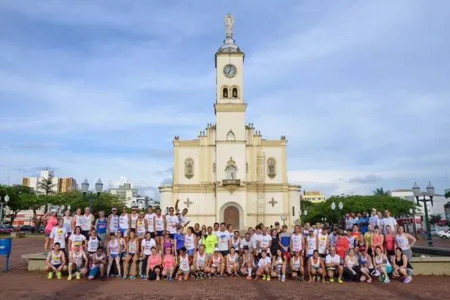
{"type": "Point", "coordinates": [380, 192]}
{"type": "Point", "coordinates": [447, 194]}
{"type": "Point", "coordinates": [76, 199]}
{"type": "Point", "coordinates": [46, 186]}
{"type": "Point", "coordinates": [434, 219]}
{"type": "Point", "coordinates": [357, 204]}
{"type": "Point", "coordinates": [20, 198]}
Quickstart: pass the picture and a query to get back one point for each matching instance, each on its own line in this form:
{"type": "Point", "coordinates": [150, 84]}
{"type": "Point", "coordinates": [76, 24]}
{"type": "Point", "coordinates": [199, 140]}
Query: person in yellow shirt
{"type": "Point", "coordinates": [210, 242]}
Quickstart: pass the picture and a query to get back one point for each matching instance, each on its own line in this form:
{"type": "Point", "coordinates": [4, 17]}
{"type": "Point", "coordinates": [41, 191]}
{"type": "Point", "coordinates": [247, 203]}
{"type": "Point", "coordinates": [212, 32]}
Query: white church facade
{"type": "Point", "coordinates": [230, 173]}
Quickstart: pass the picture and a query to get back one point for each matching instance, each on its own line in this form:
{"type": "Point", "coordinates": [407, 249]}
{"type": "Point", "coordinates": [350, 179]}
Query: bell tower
{"type": "Point", "coordinates": [230, 107]}
{"type": "Point", "coordinates": [229, 68]}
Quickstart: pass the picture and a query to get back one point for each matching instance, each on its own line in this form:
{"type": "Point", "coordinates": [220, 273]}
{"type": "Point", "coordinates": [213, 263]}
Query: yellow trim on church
{"type": "Point", "coordinates": [230, 107]}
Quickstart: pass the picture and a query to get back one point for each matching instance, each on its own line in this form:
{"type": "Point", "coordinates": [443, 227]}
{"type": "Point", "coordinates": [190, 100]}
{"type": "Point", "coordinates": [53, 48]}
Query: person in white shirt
{"type": "Point", "coordinates": [150, 217]}
{"type": "Point", "coordinates": [256, 238]}
{"type": "Point", "coordinates": [87, 222]}
{"type": "Point", "coordinates": [373, 220]}
{"type": "Point", "coordinates": [246, 242]}
{"type": "Point", "coordinates": [388, 220]}
{"type": "Point", "coordinates": [264, 267]}
{"type": "Point", "coordinates": [216, 229]}
{"type": "Point", "coordinates": [59, 235]}
{"type": "Point", "coordinates": [333, 265]}
{"type": "Point", "coordinates": [172, 223]}
{"type": "Point", "coordinates": [223, 240]}
{"type": "Point", "coordinates": [264, 242]}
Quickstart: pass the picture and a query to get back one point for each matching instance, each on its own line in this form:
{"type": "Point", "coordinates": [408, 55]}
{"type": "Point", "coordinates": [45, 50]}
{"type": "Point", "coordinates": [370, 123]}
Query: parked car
{"type": "Point", "coordinates": [444, 234]}
{"type": "Point", "coordinates": [434, 232]}
{"type": "Point", "coordinates": [27, 228]}
{"type": "Point", "coordinates": [6, 229]}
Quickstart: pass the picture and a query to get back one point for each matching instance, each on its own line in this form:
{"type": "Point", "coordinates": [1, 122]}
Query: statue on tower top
{"type": "Point", "coordinates": [229, 23]}
{"type": "Point", "coordinates": [229, 44]}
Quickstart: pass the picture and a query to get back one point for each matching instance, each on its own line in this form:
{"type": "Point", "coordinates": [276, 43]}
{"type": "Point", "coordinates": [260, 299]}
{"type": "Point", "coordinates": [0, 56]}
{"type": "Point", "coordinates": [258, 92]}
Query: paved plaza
{"type": "Point", "coordinates": [21, 284]}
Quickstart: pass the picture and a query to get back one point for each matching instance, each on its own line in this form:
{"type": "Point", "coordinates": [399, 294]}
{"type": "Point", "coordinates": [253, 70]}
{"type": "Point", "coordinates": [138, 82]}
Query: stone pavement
{"type": "Point", "coordinates": [21, 284]}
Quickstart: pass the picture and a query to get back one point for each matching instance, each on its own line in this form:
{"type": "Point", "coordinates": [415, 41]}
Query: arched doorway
{"type": "Point", "coordinates": [231, 216]}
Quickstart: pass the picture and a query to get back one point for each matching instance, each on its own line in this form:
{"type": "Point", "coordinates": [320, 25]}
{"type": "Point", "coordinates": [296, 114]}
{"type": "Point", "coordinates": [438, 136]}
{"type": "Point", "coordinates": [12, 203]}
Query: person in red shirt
{"type": "Point", "coordinates": [342, 245]}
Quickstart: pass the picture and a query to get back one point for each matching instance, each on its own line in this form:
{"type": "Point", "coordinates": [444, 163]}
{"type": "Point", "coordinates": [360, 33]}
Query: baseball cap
{"type": "Point", "coordinates": [53, 210]}
{"type": "Point", "coordinates": [216, 250]}
{"type": "Point", "coordinates": [277, 223]}
{"type": "Point", "coordinates": [113, 208]}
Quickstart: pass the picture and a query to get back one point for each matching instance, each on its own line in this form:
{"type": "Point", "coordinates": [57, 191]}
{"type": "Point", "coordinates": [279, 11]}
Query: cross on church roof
{"type": "Point", "coordinates": [273, 202]}
{"type": "Point", "coordinates": [188, 202]}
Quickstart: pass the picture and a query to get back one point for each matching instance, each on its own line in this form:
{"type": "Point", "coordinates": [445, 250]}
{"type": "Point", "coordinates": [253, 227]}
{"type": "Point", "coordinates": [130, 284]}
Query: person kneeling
{"type": "Point", "coordinates": [298, 272]}
{"type": "Point", "coordinates": [184, 262]}
{"type": "Point", "coordinates": [98, 264]}
{"type": "Point", "coordinates": [333, 264]}
{"type": "Point", "coordinates": [77, 262]}
{"type": "Point", "coordinates": [248, 263]}
{"type": "Point", "coordinates": [316, 268]}
{"type": "Point", "coordinates": [264, 267]}
{"type": "Point", "coordinates": [56, 262]}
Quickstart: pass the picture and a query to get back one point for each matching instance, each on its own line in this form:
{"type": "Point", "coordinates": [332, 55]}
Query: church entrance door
{"type": "Point", "coordinates": [231, 216]}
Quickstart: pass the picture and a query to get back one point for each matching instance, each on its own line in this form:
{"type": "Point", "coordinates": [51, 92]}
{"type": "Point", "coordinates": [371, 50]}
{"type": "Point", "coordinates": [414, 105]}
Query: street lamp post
{"type": "Point", "coordinates": [6, 199]}
{"type": "Point", "coordinates": [412, 212]}
{"type": "Point", "coordinates": [305, 213]}
{"type": "Point", "coordinates": [424, 200]}
{"type": "Point", "coordinates": [333, 207]}
{"type": "Point", "coordinates": [91, 196]}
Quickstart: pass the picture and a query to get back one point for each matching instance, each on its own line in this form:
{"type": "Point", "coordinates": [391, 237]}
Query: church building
{"type": "Point", "coordinates": [230, 173]}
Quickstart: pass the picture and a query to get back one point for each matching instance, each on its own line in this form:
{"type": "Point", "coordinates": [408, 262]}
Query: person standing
{"type": "Point", "coordinates": [364, 223]}
{"type": "Point", "coordinates": [388, 220]}
{"type": "Point", "coordinates": [59, 235]}
{"type": "Point", "coordinates": [124, 222]}
{"type": "Point", "coordinates": [86, 222]}
{"type": "Point", "coordinates": [101, 225]}
{"type": "Point", "coordinates": [50, 220]}
{"type": "Point", "coordinates": [150, 218]}
{"type": "Point", "coordinates": [113, 221]}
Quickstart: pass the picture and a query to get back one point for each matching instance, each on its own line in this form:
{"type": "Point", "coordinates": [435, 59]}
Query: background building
{"type": "Point", "coordinates": [439, 201]}
{"type": "Point", "coordinates": [33, 182]}
{"type": "Point", "coordinates": [125, 193]}
{"type": "Point", "coordinates": [313, 196]}
{"type": "Point", "coordinates": [67, 185]}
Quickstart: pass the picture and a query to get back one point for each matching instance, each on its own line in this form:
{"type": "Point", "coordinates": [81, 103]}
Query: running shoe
{"type": "Point", "coordinates": [77, 275]}
{"type": "Point", "coordinates": [132, 277]}
{"type": "Point", "coordinates": [407, 279]}
{"type": "Point", "coordinates": [387, 280]}
{"type": "Point", "coordinates": [340, 280]}
{"type": "Point", "coordinates": [59, 275]}
{"type": "Point", "coordinates": [268, 278]}
{"type": "Point", "coordinates": [331, 279]}
{"type": "Point", "coordinates": [69, 278]}
{"type": "Point", "coordinates": [50, 275]}
{"type": "Point", "coordinates": [264, 277]}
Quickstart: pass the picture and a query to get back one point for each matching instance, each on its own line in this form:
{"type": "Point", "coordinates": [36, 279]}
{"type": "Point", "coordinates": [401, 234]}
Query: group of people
{"type": "Point", "coordinates": [154, 246]}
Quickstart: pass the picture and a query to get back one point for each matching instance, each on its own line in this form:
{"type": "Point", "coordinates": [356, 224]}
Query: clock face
{"type": "Point", "coordinates": [229, 71]}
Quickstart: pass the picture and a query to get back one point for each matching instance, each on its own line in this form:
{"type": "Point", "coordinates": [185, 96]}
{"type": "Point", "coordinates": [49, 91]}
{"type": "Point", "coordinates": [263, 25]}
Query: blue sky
{"type": "Point", "coordinates": [360, 88]}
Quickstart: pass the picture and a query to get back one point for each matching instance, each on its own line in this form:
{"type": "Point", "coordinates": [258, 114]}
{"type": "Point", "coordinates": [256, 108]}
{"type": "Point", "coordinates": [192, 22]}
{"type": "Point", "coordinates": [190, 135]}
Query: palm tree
{"type": "Point", "coordinates": [380, 192]}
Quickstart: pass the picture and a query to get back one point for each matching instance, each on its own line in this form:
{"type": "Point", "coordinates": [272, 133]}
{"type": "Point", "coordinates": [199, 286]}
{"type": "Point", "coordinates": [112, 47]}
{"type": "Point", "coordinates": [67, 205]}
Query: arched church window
{"type": "Point", "coordinates": [234, 93]}
{"type": "Point", "coordinates": [225, 92]}
{"type": "Point", "coordinates": [231, 136]}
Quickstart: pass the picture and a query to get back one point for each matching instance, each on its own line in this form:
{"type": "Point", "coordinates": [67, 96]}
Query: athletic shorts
{"type": "Point", "coordinates": [308, 256]}
{"type": "Point", "coordinates": [322, 255]}
{"type": "Point", "coordinates": [172, 235]}
{"type": "Point", "coordinates": [47, 234]}
{"type": "Point", "coordinates": [389, 269]}
{"type": "Point", "coordinates": [191, 252]}
{"type": "Point", "coordinates": [93, 272]}
{"type": "Point", "coordinates": [78, 268]}
{"type": "Point", "coordinates": [390, 252]}
{"type": "Point", "coordinates": [331, 268]}
{"type": "Point", "coordinates": [56, 266]}
{"type": "Point", "coordinates": [113, 256]}
{"type": "Point", "coordinates": [124, 231]}
{"type": "Point", "coordinates": [159, 233]}
{"type": "Point", "coordinates": [224, 253]}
